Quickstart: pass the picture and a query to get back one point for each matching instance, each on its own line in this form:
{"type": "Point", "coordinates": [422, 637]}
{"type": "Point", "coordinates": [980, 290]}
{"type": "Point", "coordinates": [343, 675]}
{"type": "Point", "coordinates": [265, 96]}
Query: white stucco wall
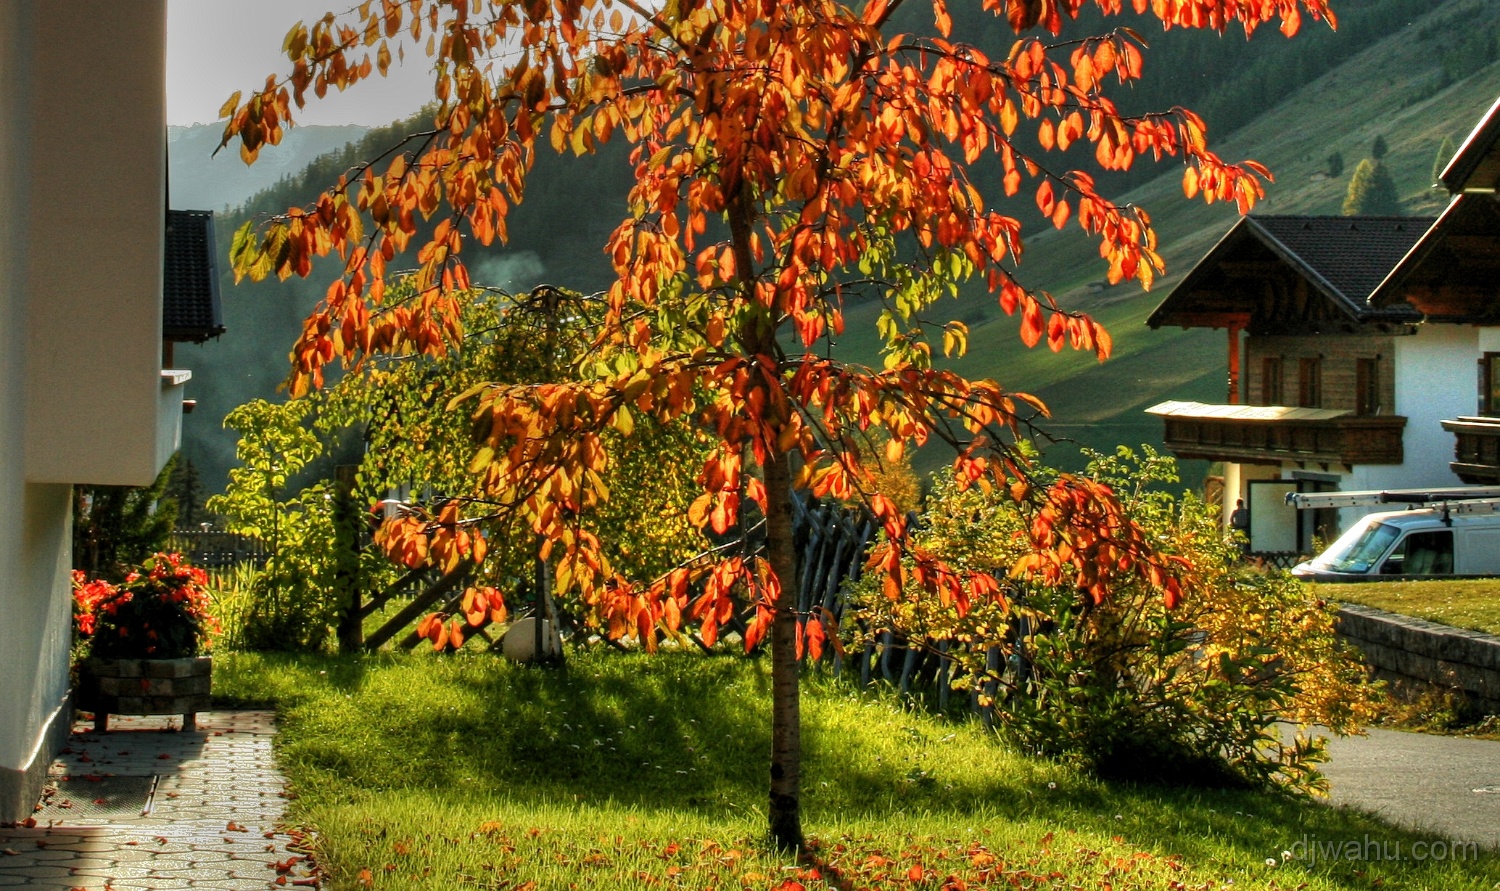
{"type": "Point", "coordinates": [82, 136]}
{"type": "Point", "coordinates": [95, 226]}
{"type": "Point", "coordinates": [1489, 342]}
{"type": "Point", "coordinates": [36, 602]}
{"type": "Point", "coordinates": [1435, 381]}
{"type": "Point", "coordinates": [1435, 374]}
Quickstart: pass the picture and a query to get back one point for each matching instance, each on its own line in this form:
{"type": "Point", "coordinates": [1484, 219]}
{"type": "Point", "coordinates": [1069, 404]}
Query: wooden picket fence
{"type": "Point", "coordinates": [831, 540]}
{"type": "Point", "coordinates": [216, 550]}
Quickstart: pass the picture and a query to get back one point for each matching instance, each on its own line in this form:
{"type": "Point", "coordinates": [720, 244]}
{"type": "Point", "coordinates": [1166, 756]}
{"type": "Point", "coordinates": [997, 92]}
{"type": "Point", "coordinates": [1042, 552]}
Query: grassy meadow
{"type": "Point", "coordinates": [633, 772]}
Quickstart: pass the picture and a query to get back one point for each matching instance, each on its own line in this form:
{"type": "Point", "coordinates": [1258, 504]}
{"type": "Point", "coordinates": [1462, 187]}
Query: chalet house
{"type": "Point", "coordinates": [1452, 276]}
{"type": "Point", "coordinates": [1326, 390]}
{"type": "Point", "coordinates": [84, 397]}
{"type": "Point", "coordinates": [1362, 338]}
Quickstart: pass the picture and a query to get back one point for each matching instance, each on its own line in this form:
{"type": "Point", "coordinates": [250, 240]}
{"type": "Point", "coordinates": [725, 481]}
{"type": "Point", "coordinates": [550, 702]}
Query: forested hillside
{"type": "Point", "coordinates": [1410, 71]}
{"type": "Point", "coordinates": [200, 181]}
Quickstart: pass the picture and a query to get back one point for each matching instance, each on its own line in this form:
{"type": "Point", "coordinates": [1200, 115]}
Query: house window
{"type": "Point", "coordinates": [1270, 380]}
{"type": "Point", "coordinates": [1310, 383]}
{"type": "Point", "coordinates": [1489, 384]}
{"type": "Point", "coordinates": [1367, 386]}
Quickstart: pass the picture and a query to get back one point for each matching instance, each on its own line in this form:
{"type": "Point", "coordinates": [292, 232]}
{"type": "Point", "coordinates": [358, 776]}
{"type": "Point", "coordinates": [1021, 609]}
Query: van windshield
{"type": "Point", "coordinates": [1358, 549]}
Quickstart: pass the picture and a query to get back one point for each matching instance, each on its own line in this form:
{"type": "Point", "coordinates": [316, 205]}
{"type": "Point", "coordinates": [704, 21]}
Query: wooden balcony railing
{"type": "Point", "coordinates": [1476, 449]}
{"type": "Point", "coordinates": [1271, 434]}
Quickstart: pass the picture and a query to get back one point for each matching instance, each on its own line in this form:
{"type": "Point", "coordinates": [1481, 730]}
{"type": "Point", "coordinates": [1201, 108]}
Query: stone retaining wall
{"type": "Point", "coordinates": [1414, 649]}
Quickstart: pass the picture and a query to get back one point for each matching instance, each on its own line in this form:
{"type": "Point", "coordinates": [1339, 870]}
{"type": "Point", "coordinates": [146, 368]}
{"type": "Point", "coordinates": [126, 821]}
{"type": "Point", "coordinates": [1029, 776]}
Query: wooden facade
{"type": "Point", "coordinates": [1476, 449]}
{"type": "Point", "coordinates": [1324, 438]}
{"type": "Point", "coordinates": [1355, 371]}
{"type": "Point", "coordinates": [1297, 286]}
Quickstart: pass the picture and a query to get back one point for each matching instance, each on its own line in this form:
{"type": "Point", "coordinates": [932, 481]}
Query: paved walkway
{"type": "Point", "coordinates": [1442, 783]}
{"type": "Point", "coordinates": [212, 798]}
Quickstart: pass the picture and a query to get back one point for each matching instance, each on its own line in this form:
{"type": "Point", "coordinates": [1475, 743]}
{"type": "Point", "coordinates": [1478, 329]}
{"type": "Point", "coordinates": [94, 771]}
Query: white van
{"type": "Point", "coordinates": [1427, 542]}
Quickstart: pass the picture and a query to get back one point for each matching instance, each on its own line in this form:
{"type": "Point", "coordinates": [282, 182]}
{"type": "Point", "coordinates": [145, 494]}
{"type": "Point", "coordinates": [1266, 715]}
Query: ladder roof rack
{"type": "Point", "coordinates": [1410, 497]}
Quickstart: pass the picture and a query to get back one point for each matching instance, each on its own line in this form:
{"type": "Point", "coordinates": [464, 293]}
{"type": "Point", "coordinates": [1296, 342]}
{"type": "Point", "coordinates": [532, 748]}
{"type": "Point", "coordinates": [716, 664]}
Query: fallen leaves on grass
{"type": "Point", "coordinates": [843, 864]}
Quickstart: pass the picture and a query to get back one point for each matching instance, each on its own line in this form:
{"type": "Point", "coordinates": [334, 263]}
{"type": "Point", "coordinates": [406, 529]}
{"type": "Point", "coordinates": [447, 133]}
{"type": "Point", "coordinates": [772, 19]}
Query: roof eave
{"type": "Point", "coordinates": [1356, 313]}
{"type": "Point", "coordinates": [1480, 141]}
{"type": "Point", "coordinates": [1389, 291]}
{"type": "Point", "coordinates": [1157, 318]}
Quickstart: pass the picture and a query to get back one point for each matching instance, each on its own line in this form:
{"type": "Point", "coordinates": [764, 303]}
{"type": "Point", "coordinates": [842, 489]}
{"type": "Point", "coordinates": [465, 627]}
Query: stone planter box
{"type": "Point", "coordinates": [144, 687]}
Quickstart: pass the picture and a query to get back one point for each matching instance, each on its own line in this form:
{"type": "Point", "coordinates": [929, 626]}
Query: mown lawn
{"type": "Point", "coordinates": [636, 772]}
{"type": "Point", "coordinates": [1462, 603]}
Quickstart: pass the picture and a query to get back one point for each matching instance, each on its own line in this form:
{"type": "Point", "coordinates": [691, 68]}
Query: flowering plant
{"type": "Point", "coordinates": [160, 611]}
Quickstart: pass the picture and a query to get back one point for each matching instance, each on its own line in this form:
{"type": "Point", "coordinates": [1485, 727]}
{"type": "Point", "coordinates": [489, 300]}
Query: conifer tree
{"type": "Point", "coordinates": [1440, 161]}
{"type": "Point", "coordinates": [185, 487]}
{"type": "Point", "coordinates": [1372, 191]}
{"type": "Point", "coordinates": [117, 526]}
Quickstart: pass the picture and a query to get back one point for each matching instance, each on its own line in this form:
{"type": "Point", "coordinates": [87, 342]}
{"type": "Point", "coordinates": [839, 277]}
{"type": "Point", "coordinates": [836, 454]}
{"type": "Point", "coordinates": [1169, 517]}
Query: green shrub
{"type": "Point", "coordinates": [292, 600]}
{"type": "Point", "coordinates": [1127, 686]}
{"type": "Point", "coordinates": [231, 599]}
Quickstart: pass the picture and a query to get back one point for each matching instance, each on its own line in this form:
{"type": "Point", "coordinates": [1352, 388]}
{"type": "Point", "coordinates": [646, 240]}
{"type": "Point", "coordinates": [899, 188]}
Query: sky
{"type": "Point", "coordinates": [215, 47]}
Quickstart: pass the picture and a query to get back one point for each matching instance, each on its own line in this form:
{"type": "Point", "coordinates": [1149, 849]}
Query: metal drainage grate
{"type": "Point", "coordinates": [81, 800]}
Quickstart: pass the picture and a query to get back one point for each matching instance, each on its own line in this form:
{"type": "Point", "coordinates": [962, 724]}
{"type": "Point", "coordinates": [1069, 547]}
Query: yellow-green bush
{"type": "Point", "coordinates": [1128, 686]}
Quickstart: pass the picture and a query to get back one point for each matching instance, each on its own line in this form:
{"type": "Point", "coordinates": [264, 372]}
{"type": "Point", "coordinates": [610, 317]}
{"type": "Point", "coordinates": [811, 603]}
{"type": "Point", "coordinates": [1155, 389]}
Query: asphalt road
{"type": "Point", "coordinates": [1448, 785]}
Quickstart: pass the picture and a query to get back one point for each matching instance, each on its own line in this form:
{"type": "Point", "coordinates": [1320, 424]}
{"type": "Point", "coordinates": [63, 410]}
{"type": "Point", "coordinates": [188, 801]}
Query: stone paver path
{"type": "Point", "coordinates": [212, 819]}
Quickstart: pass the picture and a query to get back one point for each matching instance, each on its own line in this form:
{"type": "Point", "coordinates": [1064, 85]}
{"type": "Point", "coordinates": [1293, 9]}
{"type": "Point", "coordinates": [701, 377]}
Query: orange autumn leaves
{"type": "Point", "coordinates": [785, 155]}
{"type": "Point", "coordinates": [480, 606]}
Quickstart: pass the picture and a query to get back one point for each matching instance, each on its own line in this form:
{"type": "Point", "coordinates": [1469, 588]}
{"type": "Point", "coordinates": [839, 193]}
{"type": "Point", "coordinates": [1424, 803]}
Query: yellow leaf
{"type": "Point", "coordinates": [624, 421]}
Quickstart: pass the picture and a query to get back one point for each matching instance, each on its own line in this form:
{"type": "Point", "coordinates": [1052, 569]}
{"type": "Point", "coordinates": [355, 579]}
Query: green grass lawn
{"type": "Point", "coordinates": [1462, 603]}
{"type": "Point", "coordinates": [628, 771]}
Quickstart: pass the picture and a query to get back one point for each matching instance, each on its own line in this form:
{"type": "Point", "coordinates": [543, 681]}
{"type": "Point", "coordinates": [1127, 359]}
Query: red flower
{"type": "Point", "coordinates": [161, 609]}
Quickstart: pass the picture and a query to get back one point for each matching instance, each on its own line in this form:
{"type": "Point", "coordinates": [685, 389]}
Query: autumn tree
{"type": "Point", "coordinates": [789, 155]}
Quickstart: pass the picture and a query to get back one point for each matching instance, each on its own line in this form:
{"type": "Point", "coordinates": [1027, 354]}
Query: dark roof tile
{"type": "Point", "coordinates": [1342, 258]}
{"type": "Point", "coordinates": [190, 283]}
{"type": "Point", "coordinates": [1352, 255]}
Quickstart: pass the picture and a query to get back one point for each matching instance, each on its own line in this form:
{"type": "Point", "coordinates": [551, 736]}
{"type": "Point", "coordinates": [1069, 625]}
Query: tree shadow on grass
{"type": "Point", "coordinates": [687, 733]}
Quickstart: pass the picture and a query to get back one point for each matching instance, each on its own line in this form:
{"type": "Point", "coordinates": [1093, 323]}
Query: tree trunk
{"type": "Point", "coordinates": [786, 709]}
{"type": "Point", "coordinates": [759, 337]}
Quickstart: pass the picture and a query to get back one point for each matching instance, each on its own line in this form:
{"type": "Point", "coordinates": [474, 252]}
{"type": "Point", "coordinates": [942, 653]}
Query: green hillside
{"type": "Point", "coordinates": [1392, 70]}
{"type": "Point", "coordinates": [1390, 89]}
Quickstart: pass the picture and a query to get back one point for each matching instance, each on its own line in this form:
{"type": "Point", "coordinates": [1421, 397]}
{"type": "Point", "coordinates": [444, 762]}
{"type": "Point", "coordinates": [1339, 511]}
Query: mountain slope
{"type": "Point", "coordinates": [1404, 86]}
{"type": "Point", "coordinates": [201, 180]}
{"type": "Point", "coordinates": [1390, 90]}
